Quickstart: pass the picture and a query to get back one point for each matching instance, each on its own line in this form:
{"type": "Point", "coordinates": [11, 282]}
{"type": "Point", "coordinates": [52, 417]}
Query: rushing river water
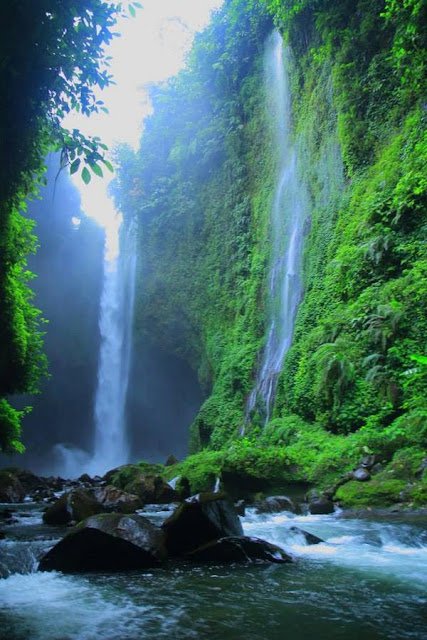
{"type": "Point", "coordinates": [368, 581]}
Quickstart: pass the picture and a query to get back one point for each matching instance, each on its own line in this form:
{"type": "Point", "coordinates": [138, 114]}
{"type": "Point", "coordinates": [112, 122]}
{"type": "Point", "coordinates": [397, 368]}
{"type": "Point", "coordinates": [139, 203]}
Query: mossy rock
{"type": "Point", "coordinates": [376, 493]}
{"type": "Point", "coordinates": [123, 476]}
{"type": "Point", "coordinates": [406, 463]}
{"type": "Point", "coordinates": [418, 492]}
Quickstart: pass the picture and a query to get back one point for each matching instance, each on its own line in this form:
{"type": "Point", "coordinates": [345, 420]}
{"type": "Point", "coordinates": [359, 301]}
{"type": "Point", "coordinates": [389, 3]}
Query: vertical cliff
{"type": "Point", "coordinates": [203, 184]}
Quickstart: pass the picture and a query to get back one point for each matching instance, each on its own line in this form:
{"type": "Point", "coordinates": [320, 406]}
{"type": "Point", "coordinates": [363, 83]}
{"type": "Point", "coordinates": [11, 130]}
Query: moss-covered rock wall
{"type": "Point", "coordinates": [355, 377]}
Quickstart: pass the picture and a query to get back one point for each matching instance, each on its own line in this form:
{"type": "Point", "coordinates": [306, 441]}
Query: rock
{"type": "Point", "coordinates": [240, 507]}
{"type": "Point", "coordinates": [11, 489]}
{"type": "Point", "coordinates": [421, 469]}
{"type": "Point", "coordinates": [6, 515]}
{"type": "Point", "coordinates": [112, 499]}
{"type": "Point", "coordinates": [310, 538]}
{"type": "Point", "coordinates": [181, 485]}
{"type": "Point", "coordinates": [275, 504]}
{"type": "Point", "coordinates": [377, 468]}
{"type": "Point", "coordinates": [79, 504]}
{"type": "Point", "coordinates": [76, 505]}
{"type": "Point", "coordinates": [199, 520]}
{"type": "Point", "coordinates": [86, 479]}
{"type": "Point", "coordinates": [361, 474]}
{"type": "Point", "coordinates": [321, 506]}
{"type": "Point", "coordinates": [368, 461]}
{"type": "Point", "coordinates": [170, 461]}
{"type": "Point", "coordinates": [239, 549]}
{"type": "Point", "coordinates": [152, 489]}
{"type": "Point", "coordinates": [107, 542]}
{"type": "Point", "coordinates": [28, 480]}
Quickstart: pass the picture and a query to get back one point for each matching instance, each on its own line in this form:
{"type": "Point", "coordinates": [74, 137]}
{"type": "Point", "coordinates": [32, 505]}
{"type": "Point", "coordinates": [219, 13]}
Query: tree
{"type": "Point", "coordinates": [51, 61]}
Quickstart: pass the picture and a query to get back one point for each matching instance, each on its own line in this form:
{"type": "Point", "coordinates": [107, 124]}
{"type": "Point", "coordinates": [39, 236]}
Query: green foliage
{"type": "Point", "coordinates": [202, 186]}
{"type": "Point", "coordinates": [53, 61]}
{"type": "Point", "coordinates": [376, 493]}
{"type": "Point", "coordinates": [10, 428]}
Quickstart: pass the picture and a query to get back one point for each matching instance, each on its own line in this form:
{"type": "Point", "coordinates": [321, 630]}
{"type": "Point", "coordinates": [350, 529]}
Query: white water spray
{"type": "Point", "coordinates": [116, 315]}
{"type": "Point", "coordinates": [288, 215]}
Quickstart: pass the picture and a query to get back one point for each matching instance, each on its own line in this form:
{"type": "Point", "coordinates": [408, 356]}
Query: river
{"type": "Point", "coordinates": [368, 580]}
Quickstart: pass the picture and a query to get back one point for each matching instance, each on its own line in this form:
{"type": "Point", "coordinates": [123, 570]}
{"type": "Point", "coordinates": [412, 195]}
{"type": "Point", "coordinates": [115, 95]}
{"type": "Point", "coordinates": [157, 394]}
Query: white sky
{"type": "Point", "coordinates": [152, 47]}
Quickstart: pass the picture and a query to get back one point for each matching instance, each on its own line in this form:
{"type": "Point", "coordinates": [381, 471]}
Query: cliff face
{"type": "Point", "coordinates": [203, 185]}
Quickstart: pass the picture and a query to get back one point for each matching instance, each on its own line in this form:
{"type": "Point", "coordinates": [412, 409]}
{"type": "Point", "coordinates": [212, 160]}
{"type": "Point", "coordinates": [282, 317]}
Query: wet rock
{"type": "Point", "coordinates": [239, 549]}
{"type": "Point", "coordinates": [152, 489]}
{"type": "Point", "coordinates": [30, 482]}
{"type": "Point", "coordinates": [11, 489]}
{"type": "Point", "coordinates": [310, 538]}
{"type": "Point", "coordinates": [321, 506]}
{"type": "Point", "coordinates": [240, 507]}
{"type": "Point", "coordinates": [107, 542]}
{"type": "Point", "coordinates": [79, 504]}
{"type": "Point", "coordinates": [181, 485]}
{"type": "Point", "coordinates": [170, 461]}
{"type": "Point", "coordinates": [112, 499]}
{"type": "Point", "coordinates": [75, 505]}
{"type": "Point", "coordinates": [199, 520]}
{"type": "Point", "coordinates": [368, 461]}
{"type": "Point", "coordinates": [361, 474]}
{"type": "Point", "coordinates": [275, 504]}
{"type": "Point", "coordinates": [6, 515]}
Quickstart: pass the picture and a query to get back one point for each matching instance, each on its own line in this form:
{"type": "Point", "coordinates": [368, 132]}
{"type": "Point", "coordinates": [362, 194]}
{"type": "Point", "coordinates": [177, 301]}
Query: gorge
{"type": "Point", "coordinates": [261, 335]}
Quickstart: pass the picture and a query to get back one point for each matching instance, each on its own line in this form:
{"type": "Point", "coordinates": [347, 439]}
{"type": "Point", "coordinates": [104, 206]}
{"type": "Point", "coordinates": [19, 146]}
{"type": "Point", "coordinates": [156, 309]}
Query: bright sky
{"type": "Point", "coordinates": [152, 47]}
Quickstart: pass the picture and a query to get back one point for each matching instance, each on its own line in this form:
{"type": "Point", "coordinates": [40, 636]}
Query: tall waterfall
{"type": "Point", "coordinates": [116, 315]}
{"type": "Point", "coordinates": [287, 218]}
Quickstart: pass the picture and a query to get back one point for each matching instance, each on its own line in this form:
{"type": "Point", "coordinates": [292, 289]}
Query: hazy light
{"type": "Point", "coordinates": [75, 222]}
{"type": "Point", "coordinates": [152, 47]}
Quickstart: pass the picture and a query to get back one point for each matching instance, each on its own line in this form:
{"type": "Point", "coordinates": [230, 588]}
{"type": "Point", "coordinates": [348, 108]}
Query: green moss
{"type": "Point", "coordinates": [125, 475]}
{"type": "Point", "coordinates": [201, 470]}
{"type": "Point", "coordinates": [375, 493]}
{"type": "Point", "coordinates": [202, 186]}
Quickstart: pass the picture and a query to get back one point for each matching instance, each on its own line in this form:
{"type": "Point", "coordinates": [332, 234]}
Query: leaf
{"type": "Point", "coordinates": [74, 166]}
{"type": "Point", "coordinates": [132, 10]}
{"type": "Point", "coordinates": [108, 165]}
{"type": "Point", "coordinates": [97, 170]}
{"type": "Point", "coordinates": [86, 177]}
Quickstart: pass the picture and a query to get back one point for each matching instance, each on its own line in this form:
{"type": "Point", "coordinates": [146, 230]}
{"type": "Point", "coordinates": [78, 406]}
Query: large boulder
{"type": "Point", "coordinates": [274, 504]}
{"type": "Point", "coordinates": [321, 506]}
{"type": "Point", "coordinates": [11, 488]}
{"type": "Point", "coordinates": [152, 489]}
{"type": "Point", "coordinates": [107, 542]}
{"type": "Point", "coordinates": [239, 549]}
{"type": "Point", "coordinates": [112, 499]}
{"type": "Point", "coordinates": [28, 480]}
{"type": "Point", "coordinates": [199, 520]}
{"type": "Point", "coordinates": [74, 506]}
{"type": "Point", "coordinates": [79, 504]}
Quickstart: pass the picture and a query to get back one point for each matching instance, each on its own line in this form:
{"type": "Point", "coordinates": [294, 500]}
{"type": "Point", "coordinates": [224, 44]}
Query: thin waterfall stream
{"type": "Point", "coordinates": [288, 215]}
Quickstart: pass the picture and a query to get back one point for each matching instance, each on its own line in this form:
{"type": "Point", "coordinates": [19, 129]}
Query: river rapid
{"type": "Point", "coordinates": [367, 580]}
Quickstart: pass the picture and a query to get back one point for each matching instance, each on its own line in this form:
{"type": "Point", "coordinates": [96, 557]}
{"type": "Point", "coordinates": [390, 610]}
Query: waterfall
{"type": "Point", "coordinates": [116, 316]}
{"type": "Point", "coordinates": [287, 217]}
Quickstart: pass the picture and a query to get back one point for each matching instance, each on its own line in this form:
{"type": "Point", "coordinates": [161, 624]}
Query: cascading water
{"type": "Point", "coordinates": [288, 214]}
{"type": "Point", "coordinates": [116, 316]}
